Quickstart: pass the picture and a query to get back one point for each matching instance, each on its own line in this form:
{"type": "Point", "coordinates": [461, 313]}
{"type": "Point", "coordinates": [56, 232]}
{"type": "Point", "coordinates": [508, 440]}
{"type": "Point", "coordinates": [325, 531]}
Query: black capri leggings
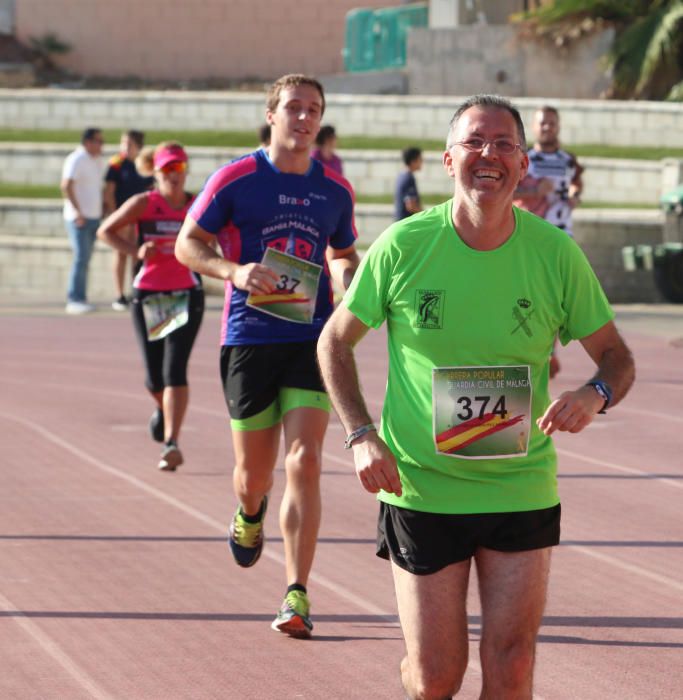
{"type": "Point", "coordinates": [166, 359]}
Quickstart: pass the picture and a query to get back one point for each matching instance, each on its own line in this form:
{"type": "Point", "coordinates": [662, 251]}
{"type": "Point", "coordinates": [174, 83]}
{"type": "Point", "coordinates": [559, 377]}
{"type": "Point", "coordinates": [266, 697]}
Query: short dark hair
{"type": "Point", "coordinates": [326, 133]}
{"type": "Point", "coordinates": [137, 137]}
{"type": "Point", "coordinates": [264, 133]}
{"type": "Point", "coordinates": [292, 80]}
{"type": "Point", "coordinates": [411, 154]}
{"type": "Point", "coordinates": [549, 108]}
{"type": "Point", "coordinates": [495, 102]}
{"type": "Point", "coordinates": [90, 133]}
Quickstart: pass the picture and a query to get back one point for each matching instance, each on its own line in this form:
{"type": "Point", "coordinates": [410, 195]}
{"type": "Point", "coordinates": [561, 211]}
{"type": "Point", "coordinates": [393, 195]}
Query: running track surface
{"type": "Point", "coordinates": [116, 581]}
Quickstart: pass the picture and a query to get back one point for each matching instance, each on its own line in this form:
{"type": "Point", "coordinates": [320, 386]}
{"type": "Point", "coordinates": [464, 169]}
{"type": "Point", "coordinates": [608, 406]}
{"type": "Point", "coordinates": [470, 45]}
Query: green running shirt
{"type": "Point", "coordinates": [484, 323]}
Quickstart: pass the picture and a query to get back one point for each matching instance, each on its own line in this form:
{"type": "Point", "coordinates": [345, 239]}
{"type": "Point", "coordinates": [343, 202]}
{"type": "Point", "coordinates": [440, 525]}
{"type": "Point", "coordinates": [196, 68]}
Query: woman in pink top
{"type": "Point", "coordinates": [168, 299]}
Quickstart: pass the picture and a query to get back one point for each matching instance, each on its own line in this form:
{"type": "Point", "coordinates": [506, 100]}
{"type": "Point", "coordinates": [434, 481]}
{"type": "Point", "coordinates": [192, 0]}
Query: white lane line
{"type": "Point", "coordinates": [323, 581]}
{"type": "Point", "coordinates": [193, 513]}
{"type": "Point", "coordinates": [625, 566]}
{"type": "Point", "coordinates": [50, 647]}
{"type": "Point", "coordinates": [618, 467]}
{"type": "Point", "coordinates": [650, 414]}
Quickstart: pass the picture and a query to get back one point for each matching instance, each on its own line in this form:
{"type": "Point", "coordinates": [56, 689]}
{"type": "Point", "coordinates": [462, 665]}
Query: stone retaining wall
{"type": "Point", "coordinates": [35, 256]}
{"type": "Point", "coordinates": [370, 172]}
{"type": "Point", "coordinates": [419, 117]}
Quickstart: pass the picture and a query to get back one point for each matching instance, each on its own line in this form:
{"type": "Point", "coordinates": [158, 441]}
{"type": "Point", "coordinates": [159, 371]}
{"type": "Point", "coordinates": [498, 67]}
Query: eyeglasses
{"type": "Point", "coordinates": [176, 166]}
{"type": "Point", "coordinates": [477, 145]}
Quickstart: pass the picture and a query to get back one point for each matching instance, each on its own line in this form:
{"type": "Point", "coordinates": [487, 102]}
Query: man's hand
{"type": "Point", "coordinates": [376, 465]}
{"type": "Point", "coordinates": [572, 411]}
{"type": "Point", "coordinates": [255, 278]}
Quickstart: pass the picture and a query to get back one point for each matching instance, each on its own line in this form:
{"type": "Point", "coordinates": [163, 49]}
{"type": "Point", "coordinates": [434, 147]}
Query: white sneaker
{"type": "Point", "coordinates": [121, 304]}
{"type": "Point", "coordinates": [79, 307]}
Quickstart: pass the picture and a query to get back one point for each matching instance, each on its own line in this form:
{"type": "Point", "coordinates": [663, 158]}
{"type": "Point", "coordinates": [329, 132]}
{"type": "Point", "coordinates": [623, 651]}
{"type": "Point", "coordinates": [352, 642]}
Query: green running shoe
{"type": "Point", "coordinates": [293, 617]}
{"type": "Point", "coordinates": [246, 539]}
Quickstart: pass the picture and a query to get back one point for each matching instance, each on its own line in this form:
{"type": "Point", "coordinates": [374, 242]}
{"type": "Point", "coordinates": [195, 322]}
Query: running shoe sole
{"type": "Point", "coordinates": [295, 627]}
{"type": "Point", "coordinates": [171, 459]}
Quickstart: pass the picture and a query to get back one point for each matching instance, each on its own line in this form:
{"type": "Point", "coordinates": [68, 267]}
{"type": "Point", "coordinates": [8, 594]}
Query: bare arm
{"type": "Point", "coordinates": [108, 197]}
{"type": "Point", "coordinates": [533, 188]}
{"type": "Point", "coordinates": [195, 248]}
{"type": "Point", "coordinates": [375, 464]}
{"type": "Point", "coordinates": [576, 186]}
{"type": "Point", "coordinates": [412, 204]}
{"type": "Point", "coordinates": [572, 411]}
{"type": "Point", "coordinates": [68, 187]}
{"type": "Point", "coordinates": [343, 264]}
{"type": "Point", "coordinates": [129, 213]}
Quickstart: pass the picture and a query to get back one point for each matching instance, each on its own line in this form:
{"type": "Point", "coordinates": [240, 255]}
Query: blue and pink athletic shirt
{"type": "Point", "coordinates": [161, 223]}
{"type": "Point", "coordinates": [250, 205]}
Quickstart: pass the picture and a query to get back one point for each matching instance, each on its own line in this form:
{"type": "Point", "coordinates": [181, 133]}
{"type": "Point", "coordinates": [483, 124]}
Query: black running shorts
{"type": "Point", "coordinates": [254, 374]}
{"type": "Point", "coordinates": [424, 543]}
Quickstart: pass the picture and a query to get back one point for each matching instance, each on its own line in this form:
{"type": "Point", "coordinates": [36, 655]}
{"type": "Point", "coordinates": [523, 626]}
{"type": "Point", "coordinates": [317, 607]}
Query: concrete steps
{"type": "Point", "coordinates": [370, 172]}
{"type": "Point", "coordinates": [35, 254]}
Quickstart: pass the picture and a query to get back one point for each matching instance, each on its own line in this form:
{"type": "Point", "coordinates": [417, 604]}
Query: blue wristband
{"type": "Point", "coordinates": [605, 392]}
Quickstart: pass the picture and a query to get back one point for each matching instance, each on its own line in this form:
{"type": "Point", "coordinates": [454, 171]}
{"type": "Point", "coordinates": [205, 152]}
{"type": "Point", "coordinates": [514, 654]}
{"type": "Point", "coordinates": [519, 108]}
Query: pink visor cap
{"type": "Point", "coordinates": [169, 154]}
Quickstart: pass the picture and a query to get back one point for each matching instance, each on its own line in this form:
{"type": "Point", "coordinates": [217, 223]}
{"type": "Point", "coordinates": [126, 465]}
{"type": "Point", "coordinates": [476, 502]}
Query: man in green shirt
{"type": "Point", "coordinates": [473, 292]}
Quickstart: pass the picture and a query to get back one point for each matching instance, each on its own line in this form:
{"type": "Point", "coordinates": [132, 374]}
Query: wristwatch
{"type": "Point", "coordinates": [604, 390]}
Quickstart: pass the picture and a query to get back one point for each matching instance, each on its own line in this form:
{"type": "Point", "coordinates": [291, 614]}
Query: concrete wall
{"type": "Point", "coordinates": [451, 13]}
{"type": "Point", "coordinates": [370, 172]}
{"type": "Point", "coordinates": [419, 117]}
{"type": "Point", "coordinates": [466, 60]}
{"type": "Point", "coordinates": [179, 40]}
{"type": "Point", "coordinates": [35, 255]}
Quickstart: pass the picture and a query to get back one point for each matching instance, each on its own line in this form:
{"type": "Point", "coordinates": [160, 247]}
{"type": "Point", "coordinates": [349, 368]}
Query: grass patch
{"type": "Point", "coordinates": [432, 199]}
{"type": "Point", "coordinates": [619, 205]}
{"type": "Point", "coordinates": [429, 199]}
{"type": "Point", "coordinates": [12, 189]}
{"type": "Point", "coordinates": [248, 139]}
{"type": "Point", "coordinates": [593, 150]}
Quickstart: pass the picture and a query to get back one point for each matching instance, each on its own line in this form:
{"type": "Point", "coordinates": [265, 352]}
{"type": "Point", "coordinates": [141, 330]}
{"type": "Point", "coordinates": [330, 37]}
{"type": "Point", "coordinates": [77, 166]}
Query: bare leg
{"type": "Point", "coordinates": [433, 612]}
{"type": "Point", "coordinates": [255, 456]}
{"type": "Point", "coordinates": [158, 397]}
{"type": "Point", "coordinates": [300, 508]}
{"type": "Point", "coordinates": [175, 400]}
{"type": "Point", "coordinates": [512, 587]}
{"type": "Point", "coordinates": [120, 262]}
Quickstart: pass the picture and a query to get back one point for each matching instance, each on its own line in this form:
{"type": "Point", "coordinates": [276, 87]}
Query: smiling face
{"type": "Point", "coordinates": [488, 175]}
{"type": "Point", "coordinates": [295, 121]}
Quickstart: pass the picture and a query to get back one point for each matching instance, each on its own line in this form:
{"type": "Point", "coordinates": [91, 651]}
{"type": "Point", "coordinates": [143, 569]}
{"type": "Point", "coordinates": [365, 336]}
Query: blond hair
{"type": "Point", "coordinates": [144, 161]}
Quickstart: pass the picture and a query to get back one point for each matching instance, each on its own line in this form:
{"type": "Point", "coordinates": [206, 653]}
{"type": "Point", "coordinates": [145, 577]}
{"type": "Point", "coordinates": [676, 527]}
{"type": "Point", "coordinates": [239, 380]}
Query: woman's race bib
{"type": "Point", "coordinates": [165, 312]}
{"type": "Point", "coordinates": [295, 294]}
{"type": "Point", "coordinates": [481, 412]}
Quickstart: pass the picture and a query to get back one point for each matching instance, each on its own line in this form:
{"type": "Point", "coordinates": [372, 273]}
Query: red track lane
{"type": "Point", "coordinates": [116, 582]}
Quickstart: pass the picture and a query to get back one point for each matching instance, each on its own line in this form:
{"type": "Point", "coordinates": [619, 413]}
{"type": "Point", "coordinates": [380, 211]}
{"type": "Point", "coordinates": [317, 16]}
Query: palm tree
{"type": "Point", "coordinates": [646, 58]}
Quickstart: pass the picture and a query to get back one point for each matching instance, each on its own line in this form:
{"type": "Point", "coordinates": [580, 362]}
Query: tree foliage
{"type": "Point", "coordinates": [646, 58]}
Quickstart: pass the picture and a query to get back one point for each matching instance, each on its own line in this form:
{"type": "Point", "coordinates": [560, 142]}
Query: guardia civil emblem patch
{"type": "Point", "coordinates": [429, 306]}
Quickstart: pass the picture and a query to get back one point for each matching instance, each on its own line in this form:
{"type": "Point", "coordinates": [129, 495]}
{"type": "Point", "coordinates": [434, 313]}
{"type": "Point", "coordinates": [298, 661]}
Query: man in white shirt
{"type": "Point", "coordinates": [82, 189]}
